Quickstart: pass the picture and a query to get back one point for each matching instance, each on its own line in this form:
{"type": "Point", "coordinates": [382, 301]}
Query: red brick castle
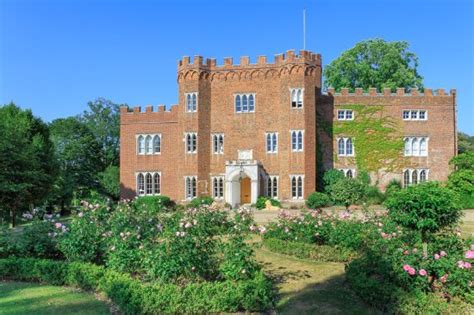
{"type": "Point", "coordinates": [241, 131]}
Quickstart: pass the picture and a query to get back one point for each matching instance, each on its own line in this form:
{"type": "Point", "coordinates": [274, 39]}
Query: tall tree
{"type": "Point", "coordinates": [375, 63]}
{"type": "Point", "coordinates": [465, 143]}
{"type": "Point", "coordinates": [27, 167]}
{"type": "Point", "coordinates": [103, 120]}
{"type": "Point", "coordinates": [78, 154]}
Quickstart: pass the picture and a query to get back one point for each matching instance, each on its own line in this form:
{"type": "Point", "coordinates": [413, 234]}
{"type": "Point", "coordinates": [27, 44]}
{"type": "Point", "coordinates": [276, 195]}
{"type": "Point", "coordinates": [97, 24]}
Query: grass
{"type": "Point", "coordinates": [35, 299]}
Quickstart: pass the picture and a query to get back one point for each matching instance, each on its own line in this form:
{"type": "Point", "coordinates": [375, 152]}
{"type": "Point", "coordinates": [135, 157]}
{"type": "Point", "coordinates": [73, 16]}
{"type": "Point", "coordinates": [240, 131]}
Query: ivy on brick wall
{"type": "Point", "coordinates": [377, 138]}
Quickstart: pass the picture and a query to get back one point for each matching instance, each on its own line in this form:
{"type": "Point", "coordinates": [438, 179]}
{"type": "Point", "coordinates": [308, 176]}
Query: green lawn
{"type": "Point", "coordinates": [32, 298]}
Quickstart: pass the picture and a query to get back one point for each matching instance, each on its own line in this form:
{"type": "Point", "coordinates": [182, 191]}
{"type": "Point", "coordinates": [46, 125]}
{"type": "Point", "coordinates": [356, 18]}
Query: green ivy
{"type": "Point", "coordinates": [378, 140]}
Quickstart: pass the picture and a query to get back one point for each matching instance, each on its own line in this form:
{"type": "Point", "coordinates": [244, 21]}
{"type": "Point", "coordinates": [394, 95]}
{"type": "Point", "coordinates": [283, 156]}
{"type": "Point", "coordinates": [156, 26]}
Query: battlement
{"type": "Point", "coordinates": [290, 56]}
{"type": "Point", "coordinates": [159, 115]}
{"type": "Point", "coordinates": [388, 92]}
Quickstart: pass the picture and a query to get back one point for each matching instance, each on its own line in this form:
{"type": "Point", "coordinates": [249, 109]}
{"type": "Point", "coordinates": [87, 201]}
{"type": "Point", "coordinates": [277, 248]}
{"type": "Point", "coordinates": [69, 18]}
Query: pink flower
{"type": "Point", "coordinates": [414, 250]}
{"type": "Point", "coordinates": [443, 253]}
{"type": "Point", "coordinates": [58, 225]}
{"type": "Point", "coordinates": [469, 254]}
{"type": "Point", "coordinates": [467, 265]}
{"type": "Point", "coordinates": [406, 267]}
{"type": "Point", "coordinates": [437, 257]}
{"type": "Point", "coordinates": [412, 271]}
{"type": "Point", "coordinates": [406, 252]}
{"type": "Point", "coordinates": [80, 214]}
{"type": "Point", "coordinates": [422, 272]}
{"type": "Point", "coordinates": [443, 278]}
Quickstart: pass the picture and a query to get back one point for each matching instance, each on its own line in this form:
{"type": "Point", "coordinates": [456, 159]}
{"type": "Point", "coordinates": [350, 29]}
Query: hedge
{"type": "Point", "coordinates": [135, 297]}
{"type": "Point", "coordinates": [309, 251]}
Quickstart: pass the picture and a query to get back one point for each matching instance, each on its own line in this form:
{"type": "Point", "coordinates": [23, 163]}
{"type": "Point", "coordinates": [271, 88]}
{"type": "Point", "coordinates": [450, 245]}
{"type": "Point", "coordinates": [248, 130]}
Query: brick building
{"type": "Point", "coordinates": [240, 131]}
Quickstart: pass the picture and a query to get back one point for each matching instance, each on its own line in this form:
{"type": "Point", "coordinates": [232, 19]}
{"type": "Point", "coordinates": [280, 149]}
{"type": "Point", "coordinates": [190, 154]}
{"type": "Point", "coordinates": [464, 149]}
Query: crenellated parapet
{"type": "Point", "coordinates": [388, 92]}
{"type": "Point", "coordinates": [160, 115]}
{"type": "Point", "coordinates": [305, 62]}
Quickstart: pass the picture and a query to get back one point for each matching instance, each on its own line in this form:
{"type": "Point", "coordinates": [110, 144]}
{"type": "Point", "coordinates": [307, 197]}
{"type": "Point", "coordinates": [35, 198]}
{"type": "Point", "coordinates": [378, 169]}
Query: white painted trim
{"type": "Point", "coordinates": [185, 187]}
{"type": "Point", "coordinates": [302, 140]}
{"type": "Point", "coordinates": [266, 144]}
{"type": "Point", "coordinates": [186, 99]}
{"type": "Point", "coordinates": [185, 140]}
{"type": "Point", "coordinates": [144, 173]}
{"type": "Point", "coordinates": [144, 135]}
{"type": "Point", "coordinates": [345, 114]}
{"type": "Point", "coordinates": [248, 111]}
{"type": "Point", "coordinates": [302, 186]}
{"type": "Point", "coordinates": [417, 114]}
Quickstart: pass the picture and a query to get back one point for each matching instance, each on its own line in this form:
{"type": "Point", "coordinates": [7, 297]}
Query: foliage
{"type": "Point", "coordinates": [426, 207]}
{"type": "Point", "coordinates": [465, 143]}
{"type": "Point", "coordinates": [200, 201]}
{"type": "Point", "coordinates": [464, 161]}
{"type": "Point", "coordinates": [309, 251]}
{"type": "Point", "coordinates": [77, 153]}
{"type": "Point", "coordinates": [103, 120]}
{"type": "Point", "coordinates": [85, 241]}
{"type": "Point", "coordinates": [26, 161]}
{"type": "Point", "coordinates": [37, 239]}
{"type": "Point", "coordinates": [347, 191]}
{"type": "Point", "coordinates": [154, 204]}
{"type": "Point", "coordinates": [134, 297]}
{"type": "Point", "coordinates": [109, 180]}
{"type": "Point", "coordinates": [392, 187]}
{"type": "Point", "coordinates": [317, 200]}
{"type": "Point", "coordinates": [462, 179]}
{"type": "Point", "coordinates": [262, 200]}
{"type": "Point", "coordinates": [238, 262]}
{"type": "Point", "coordinates": [373, 195]}
{"type": "Point", "coordinates": [375, 63]}
{"type": "Point", "coordinates": [330, 177]}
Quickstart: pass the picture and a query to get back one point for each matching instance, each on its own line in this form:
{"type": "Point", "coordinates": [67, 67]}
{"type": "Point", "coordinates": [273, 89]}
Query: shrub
{"type": "Point", "coordinates": [154, 204]}
{"type": "Point", "coordinates": [200, 201]}
{"type": "Point", "coordinates": [309, 251]}
{"type": "Point", "coordinates": [317, 200]}
{"type": "Point", "coordinates": [373, 195]}
{"type": "Point", "coordinates": [331, 177]}
{"type": "Point", "coordinates": [392, 187]}
{"type": "Point", "coordinates": [262, 200]}
{"type": "Point", "coordinates": [238, 261]}
{"type": "Point", "coordinates": [347, 233]}
{"type": "Point", "coordinates": [347, 191]}
{"type": "Point", "coordinates": [426, 207]}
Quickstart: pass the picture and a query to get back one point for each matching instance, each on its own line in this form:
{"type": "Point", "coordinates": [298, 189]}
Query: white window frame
{"type": "Point", "coordinates": [271, 188]}
{"type": "Point", "coordinates": [299, 102]}
{"type": "Point", "coordinates": [416, 172]}
{"type": "Point", "coordinates": [409, 149]}
{"type": "Point", "coordinates": [298, 195]}
{"type": "Point", "coordinates": [346, 171]}
{"type": "Point", "coordinates": [145, 147]}
{"type": "Point", "coordinates": [144, 174]}
{"type": "Point", "coordinates": [192, 189]}
{"type": "Point", "coordinates": [247, 95]}
{"type": "Point", "coordinates": [191, 107]}
{"type": "Point", "coordinates": [345, 139]}
{"type": "Point", "coordinates": [417, 114]}
{"type": "Point", "coordinates": [220, 188]}
{"type": "Point", "coordinates": [220, 148]}
{"type": "Point", "coordinates": [297, 131]}
{"type": "Point", "coordinates": [186, 148]}
{"type": "Point", "coordinates": [344, 113]}
{"type": "Point", "coordinates": [273, 146]}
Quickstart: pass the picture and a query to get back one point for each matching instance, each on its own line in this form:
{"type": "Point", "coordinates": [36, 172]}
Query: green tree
{"type": "Point", "coordinates": [375, 63]}
{"type": "Point", "coordinates": [78, 154]}
{"type": "Point", "coordinates": [103, 120]}
{"type": "Point", "coordinates": [110, 181]}
{"type": "Point", "coordinates": [27, 166]}
{"type": "Point", "coordinates": [462, 179]}
{"type": "Point", "coordinates": [465, 143]}
{"type": "Point", "coordinates": [347, 191]}
{"type": "Point", "coordinates": [330, 177]}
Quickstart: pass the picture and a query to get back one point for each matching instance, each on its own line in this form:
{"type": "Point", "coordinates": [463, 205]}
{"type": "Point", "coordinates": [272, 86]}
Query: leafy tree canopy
{"type": "Point", "coordinates": [27, 167]}
{"type": "Point", "coordinates": [465, 143]}
{"type": "Point", "coordinates": [375, 63]}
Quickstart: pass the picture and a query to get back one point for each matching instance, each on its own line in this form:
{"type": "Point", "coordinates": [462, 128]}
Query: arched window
{"type": "Point", "coordinates": [294, 189]}
{"type": "Point", "coordinates": [215, 184]}
{"type": "Point", "coordinates": [194, 187]}
{"type": "Point", "coordinates": [188, 188]}
{"type": "Point", "coordinates": [194, 104]}
{"type": "Point", "coordinates": [269, 186]}
{"type": "Point", "coordinates": [300, 141]}
{"type": "Point", "coordinates": [349, 174]}
{"type": "Point", "coordinates": [238, 107]}
{"type": "Point", "coordinates": [341, 147]}
{"type": "Point", "coordinates": [407, 146]}
{"type": "Point", "coordinates": [274, 142]}
{"type": "Point", "coordinates": [156, 183]}
{"type": "Point", "coordinates": [148, 184]}
{"type": "Point", "coordinates": [300, 98]}
{"type": "Point", "coordinates": [157, 144]}
{"type": "Point", "coordinates": [140, 184]}
{"type": "Point", "coordinates": [414, 177]}
{"type": "Point", "coordinates": [275, 187]}
{"type": "Point", "coordinates": [294, 99]}
{"type": "Point", "coordinates": [149, 144]}
{"type": "Point", "coordinates": [251, 103]}
{"type": "Point", "coordinates": [269, 142]}
{"type": "Point", "coordinates": [422, 176]}
{"type": "Point", "coordinates": [349, 148]}
{"type": "Point", "coordinates": [245, 104]}
{"type": "Point", "coordinates": [406, 178]}
{"type": "Point", "coordinates": [300, 187]}
{"type": "Point", "coordinates": [189, 106]}
{"type": "Point", "coordinates": [423, 147]}
{"type": "Point", "coordinates": [415, 147]}
{"type": "Point", "coordinates": [141, 145]}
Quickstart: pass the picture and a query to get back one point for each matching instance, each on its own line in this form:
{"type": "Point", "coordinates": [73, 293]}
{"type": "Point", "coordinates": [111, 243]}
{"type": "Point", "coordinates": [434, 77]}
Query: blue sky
{"type": "Point", "coordinates": [55, 56]}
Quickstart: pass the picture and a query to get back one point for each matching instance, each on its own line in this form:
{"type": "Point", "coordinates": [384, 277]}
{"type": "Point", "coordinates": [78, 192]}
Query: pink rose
{"type": "Point", "coordinates": [443, 253]}
{"type": "Point", "coordinates": [467, 265]}
{"type": "Point", "coordinates": [444, 278]}
{"type": "Point", "coordinates": [412, 272]}
{"type": "Point", "coordinates": [414, 250]}
{"type": "Point", "coordinates": [58, 225]}
{"type": "Point", "coordinates": [80, 214]}
{"type": "Point", "coordinates": [422, 272]}
{"type": "Point", "coordinates": [406, 252]}
{"type": "Point", "coordinates": [437, 257]}
{"type": "Point", "coordinates": [469, 254]}
{"type": "Point", "coordinates": [406, 267]}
